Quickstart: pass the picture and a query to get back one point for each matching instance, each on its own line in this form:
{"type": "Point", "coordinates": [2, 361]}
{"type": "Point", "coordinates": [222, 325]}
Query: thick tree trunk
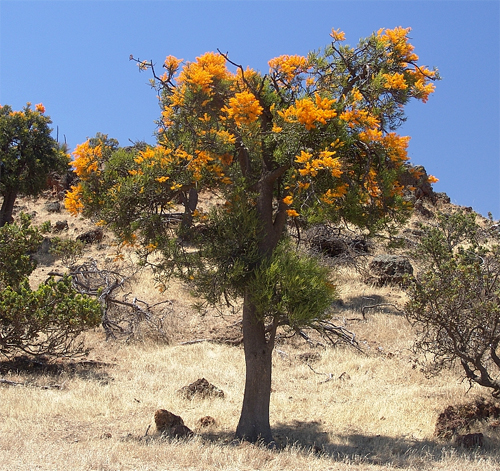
{"type": "Point", "coordinates": [7, 207]}
{"type": "Point", "coordinates": [254, 420]}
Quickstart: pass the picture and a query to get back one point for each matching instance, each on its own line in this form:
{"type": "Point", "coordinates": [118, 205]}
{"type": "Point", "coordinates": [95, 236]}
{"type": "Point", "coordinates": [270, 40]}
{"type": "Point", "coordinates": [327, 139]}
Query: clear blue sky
{"type": "Point", "coordinates": [73, 56]}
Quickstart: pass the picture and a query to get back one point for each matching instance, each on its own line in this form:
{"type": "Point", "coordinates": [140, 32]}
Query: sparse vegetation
{"type": "Point", "coordinates": [45, 321]}
{"type": "Point", "coordinates": [371, 410]}
{"type": "Point", "coordinates": [455, 298]}
{"type": "Point", "coordinates": [273, 155]}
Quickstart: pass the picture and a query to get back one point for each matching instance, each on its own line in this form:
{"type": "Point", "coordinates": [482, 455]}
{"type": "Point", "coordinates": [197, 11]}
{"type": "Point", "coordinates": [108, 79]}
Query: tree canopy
{"type": "Point", "coordinates": [28, 154]}
{"type": "Point", "coordinates": [311, 140]}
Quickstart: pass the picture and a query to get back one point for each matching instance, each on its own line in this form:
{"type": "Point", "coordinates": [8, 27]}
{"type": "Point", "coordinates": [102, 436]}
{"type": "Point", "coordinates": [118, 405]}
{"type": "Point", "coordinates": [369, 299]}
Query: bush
{"type": "Point", "coordinates": [48, 320]}
{"type": "Point", "coordinates": [455, 298]}
{"type": "Point", "coordinates": [17, 242]}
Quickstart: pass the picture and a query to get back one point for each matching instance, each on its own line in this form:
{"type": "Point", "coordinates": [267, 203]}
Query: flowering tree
{"type": "Point", "coordinates": [314, 139]}
{"type": "Point", "coordinates": [28, 154]}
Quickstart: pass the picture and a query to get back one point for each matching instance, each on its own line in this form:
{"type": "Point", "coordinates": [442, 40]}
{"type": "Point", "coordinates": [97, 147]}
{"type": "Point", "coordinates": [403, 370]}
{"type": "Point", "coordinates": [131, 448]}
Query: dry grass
{"type": "Point", "coordinates": [377, 412]}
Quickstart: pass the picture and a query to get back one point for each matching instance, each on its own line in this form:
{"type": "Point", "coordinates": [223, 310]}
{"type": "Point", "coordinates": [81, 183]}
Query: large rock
{"type": "Point", "coordinates": [201, 388]}
{"type": "Point", "coordinates": [53, 207]}
{"type": "Point", "coordinates": [89, 237]}
{"type": "Point", "coordinates": [171, 424]}
{"type": "Point", "coordinates": [389, 269]}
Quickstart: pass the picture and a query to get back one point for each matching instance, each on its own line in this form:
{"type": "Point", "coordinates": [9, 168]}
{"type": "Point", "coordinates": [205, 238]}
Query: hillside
{"type": "Point", "coordinates": [336, 408]}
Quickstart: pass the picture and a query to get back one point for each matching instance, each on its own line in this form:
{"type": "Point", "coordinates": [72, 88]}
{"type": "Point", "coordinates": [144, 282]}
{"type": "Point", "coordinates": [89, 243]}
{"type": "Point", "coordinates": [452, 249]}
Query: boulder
{"type": "Point", "coordinates": [389, 269]}
{"type": "Point", "coordinates": [53, 207]}
{"type": "Point", "coordinates": [61, 226]}
{"type": "Point", "coordinates": [201, 388]}
{"type": "Point", "coordinates": [89, 237]}
{"type": "Point", "coordinates": [170, 424]}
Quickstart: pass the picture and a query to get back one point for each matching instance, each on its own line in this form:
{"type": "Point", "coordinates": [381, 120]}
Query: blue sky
{"type": "Point", "coordinates": [73, 56]}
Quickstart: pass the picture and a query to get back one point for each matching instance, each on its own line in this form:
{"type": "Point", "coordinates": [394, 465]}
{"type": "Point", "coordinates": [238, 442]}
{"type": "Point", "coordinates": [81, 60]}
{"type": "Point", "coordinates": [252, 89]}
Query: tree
{"type": "Point", "coordinates": [45, 321]}
{"type": "Point", "coordinates": [455, 298]}
{"type": "Point", "coordinates": [28, 154]}
{"type": "Point", "coordinates": [313, 140]}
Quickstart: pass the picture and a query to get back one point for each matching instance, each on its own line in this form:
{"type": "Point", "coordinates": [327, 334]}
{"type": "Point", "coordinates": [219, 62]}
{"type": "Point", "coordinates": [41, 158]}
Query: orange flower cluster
{"type": "Point", "coordinates": [332, 195]}
{"type": "Point", "coordinates": [325, 161]}
{"type": "Point", "coordinates": [204, 71]}
{"type": "Point", "coordinates": [397, 38]}
{"type": "Point", "coordinates": [337, 35]}
{"type": "Point", "coordinates": [87, 159]}
{"type": "Point", "coordinates": [395, 81]}
{"type": "Point", "coordinates": [288, 66]}
{"type": "Point", "coordinates": [358, 117]}
{"type": "Point", "coordinates": [40, 108]}
{"type": "Point", "coordinates": [243, 108]}
{"type": "Point", "coordinates": [73, 200]}
{"type": "Point", "coordinates": [172, 64]}
{"type": "Point", "coordinates": [422, 85]}
{"type": "Point", "coordinates": [309, 112]}
{"type": "Point", "coordinates": [396, 146]}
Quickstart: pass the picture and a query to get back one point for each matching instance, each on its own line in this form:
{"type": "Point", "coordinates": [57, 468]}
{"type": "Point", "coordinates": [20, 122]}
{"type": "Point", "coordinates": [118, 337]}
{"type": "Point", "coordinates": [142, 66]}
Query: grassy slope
{"type": "Point", "coordinates": [377, 411]}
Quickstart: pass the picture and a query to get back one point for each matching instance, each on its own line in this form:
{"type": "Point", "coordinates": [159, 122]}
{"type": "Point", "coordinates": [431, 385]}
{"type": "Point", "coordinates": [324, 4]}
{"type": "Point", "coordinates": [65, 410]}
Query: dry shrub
{"type": "Point", "coordinates": [462, 417]}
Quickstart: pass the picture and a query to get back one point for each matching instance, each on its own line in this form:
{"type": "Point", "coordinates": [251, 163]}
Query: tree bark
{"type": "Point", "coordinates": [7, 207]}
{"type": "Point", "coordinates": [254, 420]}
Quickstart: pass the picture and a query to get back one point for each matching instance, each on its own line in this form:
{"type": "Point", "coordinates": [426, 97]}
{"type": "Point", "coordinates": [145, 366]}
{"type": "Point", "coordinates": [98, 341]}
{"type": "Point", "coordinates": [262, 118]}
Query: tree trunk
{"type": "Point", "coordinates": [7, 207]}
{"type": "Point", "coordinates": [254, 420]}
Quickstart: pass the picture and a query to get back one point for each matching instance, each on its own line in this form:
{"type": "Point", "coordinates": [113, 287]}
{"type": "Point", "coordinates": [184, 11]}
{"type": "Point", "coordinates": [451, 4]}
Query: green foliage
{"type": "Point", "coordinates": [228, 252]}
{"type": "Point", "coordinates": [46, 321]}
{"type": "Point", "coordinates": [455, 298]}
{"type": "Point", "coordinates": [294, 288]}
{"type": "Point", "coordinates": [17, 242]}
{"type": "Point", "coordinates": [69, 250]}
{"type": "Point", "coordinates": [29, 153]}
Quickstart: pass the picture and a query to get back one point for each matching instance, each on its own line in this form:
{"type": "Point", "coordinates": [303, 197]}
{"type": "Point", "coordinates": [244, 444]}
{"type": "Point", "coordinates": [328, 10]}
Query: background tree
{"type": "Point", "coordinates": [28, 154]}
{"type": "Point", "coordinates": [312, 139]}
{"type": "Point", "coordinates": [45, 321]}
{"type": "Point", "coordinates": [455, 298]}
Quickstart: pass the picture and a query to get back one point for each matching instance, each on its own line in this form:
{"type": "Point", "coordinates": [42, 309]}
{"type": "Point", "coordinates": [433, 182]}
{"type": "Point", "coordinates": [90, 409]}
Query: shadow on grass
{"type": "Point", "coordinates": [43, 367]}
{"type": "Point", "coordinates": [310, 437]}
{"type": "Point", "coordinates": [374, 449]}
{"type": "Point", "coordinates": [370, 304]}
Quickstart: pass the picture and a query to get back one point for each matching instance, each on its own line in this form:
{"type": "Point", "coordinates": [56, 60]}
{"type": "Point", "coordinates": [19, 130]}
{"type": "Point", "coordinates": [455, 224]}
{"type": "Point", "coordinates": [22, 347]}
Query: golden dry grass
{"type": "Point", "coordinates": [377, 411]}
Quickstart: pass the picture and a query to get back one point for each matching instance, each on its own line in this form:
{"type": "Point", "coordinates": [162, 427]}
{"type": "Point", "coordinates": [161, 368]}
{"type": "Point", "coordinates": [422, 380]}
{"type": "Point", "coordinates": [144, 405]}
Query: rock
{"type": "Point", "coordinates": [181, 431]}
{"type": "Point", "coordinates": [423, 210]}
{"type": "Point", "coordinates": [53, 207]}
{"type": "Point", "coordinates": [389, 269]}
{"type": "Point", "coordinates": [89, 237]}
{"type": "Point", "coordinates": [201, 388]}
{"type": "Point", "coordinates": [171, 424]}
{"type": "Point", "coordinates": [61, 226]}
{"type": "Point", "coordinates": [416, 181]}
{"type": "Point", "coordinates": [206, 421]}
